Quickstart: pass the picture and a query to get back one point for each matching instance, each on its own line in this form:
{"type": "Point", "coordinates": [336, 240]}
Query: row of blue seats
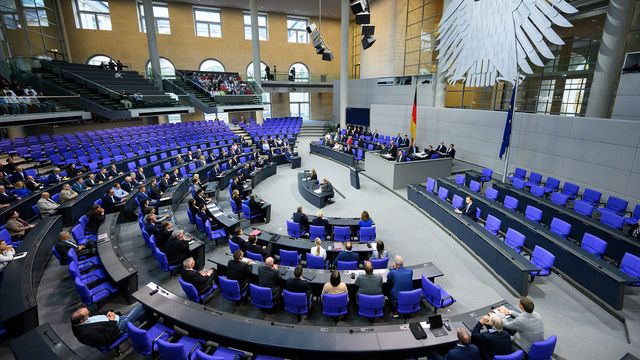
{"type": "Point", "coordinates": [340, 233]}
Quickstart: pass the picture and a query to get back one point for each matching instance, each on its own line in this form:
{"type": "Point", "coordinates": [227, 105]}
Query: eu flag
{"type": "Point", "coordinates": [506, 136]}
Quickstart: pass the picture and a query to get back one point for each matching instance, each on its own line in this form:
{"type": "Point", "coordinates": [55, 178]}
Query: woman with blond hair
{"type": "Point", "coordinates": [318, 250]}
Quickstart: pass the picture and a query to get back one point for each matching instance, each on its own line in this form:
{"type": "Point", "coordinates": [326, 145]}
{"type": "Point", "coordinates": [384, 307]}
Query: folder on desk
{"type": "Point", "coordinates": [309, 277]}
{"type": "Point", "coordinates": [256, 232]}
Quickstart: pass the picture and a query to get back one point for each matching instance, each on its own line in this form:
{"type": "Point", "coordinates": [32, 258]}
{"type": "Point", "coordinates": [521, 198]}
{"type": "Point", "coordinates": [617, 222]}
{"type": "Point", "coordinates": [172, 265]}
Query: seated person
{"type": "Point", "coordinates": [45, 204]}
{"type": "Point", "coordinates": [67, 194]}
{"type": "Point", "coordinates": [400, 157]}
{"type": "Point", "coordinates": [237, 200]}
{"type": "Point", "coordinates": [4, 180]}
{"type": "Point", "coordinates": [127, 185]}
{"type": "Point", "coordinates": [369, 283]}
{"type": "Point", "coordinates": [102, 176]}
{"type": "Point", "coordinates": [32, 184]}
{"type": "Point", "coordinates": [400, 279]}
{"type": "Point", "coordinates": [255, 248]}
{"type": "Point", "coordinates": [154, 192]}
{"type": "Point", "coordinates": [635, 230]}
{"type": "Point", "coordinates": [166, 230]}
{"type": "Point", "coordinates": [269, 277]}
{"type": "Point", "coordinates": [72, 171]}
{"type": "Point", "coordinates": [16, 226]}
{"type": "Point", "coordinates": [54, 177]}
{"type": "Point", "coordinates": [301, 218]}
{"type": "Point", "coordinates": [20, 190]}
{"type": "Point", "coordinates": [113, 171]}
{"type": "Point", "coordinates": [527, 323]}
{"type": "Point", "coordinates": [79, 186]}
{"type": "Point", "coordinates": [151, 224]}
{"type": "Point", "coordinates": [6, 199]}
{"type": "Point", "coordinates": [318, 250]}
{"type": "Point", "coordinates": [118, 191]}
{"type": "Point", "coordinates": [238, 240]}
{"type": "Point", "coordinates": [495, 341]}
{"type": "Point", "coordinates": [296, 283]}
{"type": "Point", "coordinates": [110, 201]}
{"type": "Point", "coordinates": [347, 255]}
{"type": "Point", "coordinates": [96, 218]}
{"type": "Point", "coordinates": [65, 243]}
{"type": "Point", "coordinates": [255, 207]}
{"type": "Point", "coordinates": [165, 183]}
{"type": "Point", "coordinates": [177, 248]}
{"type": "Point", "coordinates": [7, 252]}
{"type": "Point", "coordinates": [239, 270]}
{"type": "Point", "coordinates": [201, 280]}
{"type": "Point", "coordinates": [327, 189]}
{"type": "Point", "coordinates": [379, 252]}
{"type": "Point", "coordinates": [314, 175]}
{"type": "Point", "coordinates": [464, 350]}
{"type": "Point", "coordinates": [199, 198]}
{"type": "Point", "coordinates": [335, 285]}
{"type": "Point", "coordinates": [90, 181]}
{"type": "Point", "coordinates": [451, 152]}
{"type": "Point", "coordinates": [319, 220]}
{"type": "Point", "coordinates": [469, 209]}
{"type": "Point", "coordinates": [102, 329]}
{"type": "Point", "coordinates": [365, 220]}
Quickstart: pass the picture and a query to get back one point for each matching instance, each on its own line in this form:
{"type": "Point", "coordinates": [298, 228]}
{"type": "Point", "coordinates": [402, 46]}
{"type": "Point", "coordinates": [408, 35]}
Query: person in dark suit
{"type": "Point", "coordinates": [495, 341]}
{"type": "Point", "coordinates": [296, 283]}
{"type": "Point", "coordinates": [90, 181]}
{"type": "Point", "coordinates": [163, 236]}
{"type": "Point", "coordinates": [177, 248]}
{"type": "Point", "coordinates": [174, 177]}
{"type": "Point", "coordinates": [464, 350]}
{"type": "Point", "coordinates": [110, 200]}
{"type": "Point", "coordinates": [72, 171]}
{"type": "Point", "coordinates": [469, 209]}
{"type": "Point", "coordinates": [54, 177]}
{"type": "Point", "coordinates": [32, 184]}
{"type": "Point", "coordinates": [239, 270]}
{"type": "Point", "coordinates": [319, 220]}
{"type": "Point", "coordinates": [154, 192]}
{"type": "Point", "coordinates": [201, 280]}
{"type": "Point", "coordinates": [151, 225]}
{"type": "Point", "coordinates": [96, 218]}
{"type": "Point", "coordinates": [441, 149]}
{"type": "Point", "coordinates": [99, 330]}
{"type": "Point", "coordinates": [164, 183]}
{"type": "Point", "coordinates": [65, 243]}
{"type": "Point", "coordinates": [451, 152]}
{"type": "Point", "coordinates": [256, 207]}
{"type": "Point", "coordinates": [113, 171]}
{"type": "Point", "coordinates": [140, 175]}
{"type": "Point", "coordinates": [635, 230]}
{"type": "Point", "coordinates": [301, 218]}
{"type": "Point", "coordinates": [238, 240]}
{"type": "Point", "coordinates": [269, 277]}
{"type": "Point", "coordinates": [211, 158]}
{"type": "Point", "coordinates": [199, 198]}
{"type": "Point", "coordinates": [255, 248]}
{"type": "Point", "coordinates": [102, 176]}
{"type": "Point", "coordinates": [126, 185]}
{"type": "Point", "coordinates": [400, 157]}
{"type": "Point", "coordinates": [314, 175]}
{"type": "Point", "coordinates": [327, 188]}
{"type": "Point", "coordinates": [399, 278]}
{"type": "Point", "coordinates": [413, 148]}
{"type": "Point", "coordinates": [347, 255]}
{"type": "Point", "coordinates": [429, 151]}
{"type": "Point", "coordinates": [393, 150]}
{"type": "Point", "coordinates": [6, 198]}
{"type": "Point", "coordinates": [214, 173]}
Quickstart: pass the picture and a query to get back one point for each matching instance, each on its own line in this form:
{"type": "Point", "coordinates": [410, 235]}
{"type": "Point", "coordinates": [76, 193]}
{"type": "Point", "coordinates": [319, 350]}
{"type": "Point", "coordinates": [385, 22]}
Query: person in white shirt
{"type": "Point", "coordinates": [46, 205]}
{"type": "Point", "coordinates": [67, 194]}
{"type": "Point", "coordinates": [318, 250]}
{"type": "Point", "coordinates": [11, 98]}
{"type": "Point", "coordinates": [528, 324]}
{"type": "Point", "coordinates": [7, 252]}
{"type": "Point", "coordinates": [118, 191]}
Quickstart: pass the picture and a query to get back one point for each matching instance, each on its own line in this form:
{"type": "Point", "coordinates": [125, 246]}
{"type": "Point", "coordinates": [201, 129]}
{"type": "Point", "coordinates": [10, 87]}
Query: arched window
{"type": "Point", "coordinates": [301, 72]}
{"type": "Point", "coordinates": [98, 59]}
{"type": "Point", "coordinates": [166, 68]}
{"type": "Point", "coordinates": [212, 65]}
{"type": "Point", "coordinates": [263, 66]}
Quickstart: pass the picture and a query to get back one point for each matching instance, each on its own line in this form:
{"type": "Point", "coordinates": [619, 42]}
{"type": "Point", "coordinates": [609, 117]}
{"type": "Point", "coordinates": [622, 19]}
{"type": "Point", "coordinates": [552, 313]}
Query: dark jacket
{"type": "Point", "coordinates": [470, 212]}
{"type": "Point", "coordinates": [469, 352]}
{"type": "Point", "coordinates": [176, 250]}
{"type": "Point", "coordinates": [97, 334]}
{"type": "Point", "coordinates": [269, 277]}
{"type": "Point", "coordinates": [94, 222]}
{"type": "Point", "coordinates": [108, 202]}
{"type": "Point", "coordinates": [301, 219]}
{"type": "Point", "coordinates": [239, 271]}
{"type": "Point", "coordinates": [491, 343]}
{"type": "Point", "coordinates": [162, 237]}
{"type": "Point", "coordinates": [200, 282]}
{"type": "Point", "coordinates": [321, 222]}
{"type": "Point", "coordinates": [347, 256]}
{"type": "Point", "coordinates": [154, 193]}
{"type": "Point", "coordinates": [297, 285]}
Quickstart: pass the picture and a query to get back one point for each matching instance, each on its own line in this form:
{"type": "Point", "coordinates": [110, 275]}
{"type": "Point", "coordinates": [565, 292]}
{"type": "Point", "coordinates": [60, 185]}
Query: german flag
{"type": "Point", "coordinates": [414, 116]}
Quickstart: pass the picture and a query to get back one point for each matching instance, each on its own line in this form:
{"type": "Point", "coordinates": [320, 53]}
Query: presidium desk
{"type": "Point", "coordinates": [395, 175]}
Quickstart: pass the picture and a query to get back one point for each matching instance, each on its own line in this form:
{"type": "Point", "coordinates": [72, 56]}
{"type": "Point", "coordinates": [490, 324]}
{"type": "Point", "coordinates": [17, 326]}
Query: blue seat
{"type": "Point", "coordinates": [317, 232]}
{"type": "Point", "coordinates": [533, 214]}
{"type": "Point", "coordinates": [593, 244]}
{"type": "Point", "coordinates": [559, 199]}
{"type": "Point", "coordinates": [487, 174]}
{"type": "Point", "coordinates": [519, 173]}
{"type": "Point", "coordinates": [630, 265]}
{"type": "Point", "coordinates": [199, 224]}
{"type": "Point", "coordinates": [367, 234]}
{"type": "Point", "coordinates": [436, 295]}
{"type": "Point", "coordinates": [84, 221]}
{"type": "Point", "coordinates": [163, 262]}
{"type": "Point", "coordinates": [510, 203]}
{"type": "Point", "coordinates": [289, 258]}
{"type": "Point", "coordinates": [460, 179]}
{"type": "Point", "coordinates": [90, 276]}
{"type": "Point", "coordinates": [233, 247]}
{"type": "Point", "coordinates": [514, 239]}
{"type": "Point", "coordinates": [114, 346]}
{"type": "Point", "coordinates": [612, 220]}
{"type": "Point", "coordinates": [537, 190]}
{"type": "Point", "coordinates": [84, 263]}
{"type": "Point", "coordinates": [36, 211]}
{"type": "Point", "coordinates": [254, 256]}
{"type": "Point", "coordinates": [493, 224]}
{"type": "Point", "coordinates": [379, 263]}
{"type": "Point", "coordinates": [571, 190]}
{"type": "Point", "coordinates": [56, 197]}
{"type": "Point", "coordinates": [635, 216]}
{"type": "Point", "coordinates": [475, 186]}
{"type": "Point", "coordinates": [592, 197]}
{"type": "Point", "coordinates": [443, 193]}
{"type": "Point", "coordinates": [560, 228]}
{"type": "Point", "coordinates": [59, 257]}
{"type": "Point", "coordinates": [261, 297]}
{"type": "Point", "coordinates": [615, 205]}
{"type": "Point", "coordinates": [296, 303]}
{"type": "Point", "coordinates": [551, 185]}
{"type": "Point", "coordinates": [184, 349]}
{"type": "Point", "coordinates": [431, 185]}
{"type": "Point", "coordinates": [96, 294]}
{"type": "Point", "coordinates": [293, 229]}
{"type": "Point", "coordinates": [516, 355]}
{"type": "Point", "coordinates": [347, 265]}
{"type": "Point", "coordinates": [371, 306]}
{"type": "Point", "coordinates": [456, 202]}
{"type": "Point", "coordinates": [543, 350]}
{"type": "Point", "coordinates": [542, 259]}
{"type": "Point", "coordinates": [534, 179]}
{"type": "Point", "coordinates": [518, 184]}
{"type": "Point", "coordinates": [221, 353]}
{"type": "Point", "coordinates": [341, 233]}
{"type": "Point", "coordinates": [409, 302]}
{"type": "Point", "coordinates": [583, 208]}
{"type": "Point", "coordinates": [246, 212]}
{"type": "Point", "coordinates": [144, 340]}
{"type": "Point", "coordinates": [214, 234]}
{"type": "Point", "coordinates": [335, 305]}
{"type": "Point", "coordinates": [230, 289]}
{"type": "Point", "coordinates": [315, 262]}
{"type": "Point", "coordinates": [192, 292]}
{"type": "Point", "coordinates": [491, 194]}
{"type": "Point", "coordinates": [78, 234]}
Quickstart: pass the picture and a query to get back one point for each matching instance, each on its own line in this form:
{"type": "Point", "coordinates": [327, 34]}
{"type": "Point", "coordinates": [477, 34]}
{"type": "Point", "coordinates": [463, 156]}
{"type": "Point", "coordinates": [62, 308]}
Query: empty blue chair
{"type": "Point", "coordinates": [36, 211]}
{"type": "Point", "coordinates": [475, 186]}
{"type": "Point", "coordinates": [341, 233]}
{"type": "Point", "coordinates": [409, 302]}
{"type": "Point", "coordinates": [293, 229]}
{"type": "Point", "coordinates": [436, 295]}
{"type": "Point", "coordinates": [493, 224]}
{"type": "Point", "coordinates": [510, 203]}
{"type": "Point", "coordinates": [253, 256]}
{"type": "Point", "coordinates": [593, 244]}
{"type": "Point", "coordinates": [457, 202]}
{"type": "Point", "coordinates": [551, 185]}
{"type": "Point", "coordinates": [612, 220]}
{"type": "Point", "coordinates": [371, 306]}
{"type": "Point", "coordinates": [289, 258]}
{"type": "Point", "coordinates": [214, 234]}
{"type": "Point", "coordinates": [630, 265]}
{"type": "Point", "coordinates": [379, 263]}
{"type": "Point", "coordinates": [537, 190]}
{"type": "Point", "coordinates": [261, 297]}
{"type": "Point", "coordinates": [542, 259]}
{"type": "Point", "coordinates": [296, 303]}
{"type": "Point", "coordinates": [246, 212]}
{"type": "Point", "coordinates": [559, 199]}
{"type": "Point", "coordinates": [335, 305]}
{"type": "Point", "coordinates": [431, 185]}
{"type": "Point", "coordinates": [583, 208]}
{"type": "Point", "coordinates": [592, 197]}
{"type": "Point", "coordinates": [192, 292]}
{"type": "Point", "coordinates": [233, 247]}
{"type": "Point", "coordinates": [543, 350]}
{"type": "Point", "coordinates": [78, 234]}
{"type": "Point", "coordinates": [533, 214]}
{"type": "Point", "coordinates": [518, 184]}
{"type": "Point", "coordinates": [367, 234]}
{"type": "Point", "coordinates": [460, 179]}
{"type": "Point", "coordinates": [487, 174]}
{"type": "Point", "coordinates": [560, 227]}
{"type": "Point", "coordinates": [95, 294]}
{"type": "Point", "coordinates": [199, 224]}
{"type": "Point", "coordinates": [184, 349]}
{"type": "Point", "coordinates": [230, 290]}
{"type": "Point", "coordinates": [315, 262]}
{"type": "Point", "coordinates": [491, 194]}
{"type": "Point", "coordinates": [514, 239]}
{"type": "Point", "coordinates": [163, 262]}
{"type": "Point", "coordinates": [144, 341]}
{"type": "Point", "coordinates": [516, 355]}
{"type": "Point", "coordinates": [94, 275]}
{"type": "Point", "coordinates": [518, 174]}
{"type": "Point", "coordinates": [347, 265]}
{"type": "Point", "coordinates": [635, 216]}
{"type": "Point", "coordinates": [571, 190]}
{"type": "Point", "coordinates": [56, 197]}
{"type": "Point", "coordinates": [317, 232]}
{"type": "Point", "coordinates": [443, 193]}
{"type": "Point", "coordinates": [534, 179]}
{"type": "Point", "coordinates": [615, 205]}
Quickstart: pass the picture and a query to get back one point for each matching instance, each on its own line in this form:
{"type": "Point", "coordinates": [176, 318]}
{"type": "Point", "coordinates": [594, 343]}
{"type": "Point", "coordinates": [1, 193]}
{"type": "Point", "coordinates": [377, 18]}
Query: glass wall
{"type": "Point", "coordinates": [423, 18]}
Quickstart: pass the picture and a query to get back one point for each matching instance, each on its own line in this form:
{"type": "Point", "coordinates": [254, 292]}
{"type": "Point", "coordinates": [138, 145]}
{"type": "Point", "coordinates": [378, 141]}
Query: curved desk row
{"type": "Point", "coordinates": [196, 246]}
{"type": "Point", "coordinates": [618, 243]}
{"type": "Point", "coordinates": [511, 266]}
{"type": "Point", "coordinates": [344, 158]}
{"type": "Point", "coordinates": [21, 279]}
{"type": "Point", "coordinates": [601, 279]}
{"type": "Point", "coordinates": [288, 340]}
{"type": "Point", "coordinates": [42, 343]}
{"type": "Point", "coordinates": [307, 189]}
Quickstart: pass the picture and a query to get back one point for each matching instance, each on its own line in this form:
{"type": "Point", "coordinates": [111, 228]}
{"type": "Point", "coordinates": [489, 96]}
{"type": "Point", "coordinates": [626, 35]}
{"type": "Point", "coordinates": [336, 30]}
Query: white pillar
{"type": "Point", "coordinates": [344, 61]}
{"type": "Point", "coordinates": [610, 58]}
{"type": "Point", "coordinates": [150, 23]}
{"type": "Point", "coordinates": [255, 41]}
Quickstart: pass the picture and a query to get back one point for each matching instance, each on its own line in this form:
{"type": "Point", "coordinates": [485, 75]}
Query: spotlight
{"type": "Point", "coordinates": [367, 41]}
{"type": "Point", "coordinates": [358, 6]}
{"type": "Point", "coordinates": [327, 55]}
{"type": "Point", "coordinates": [368, 30]}
{"type": "Point", "coordinates": [363, 18]}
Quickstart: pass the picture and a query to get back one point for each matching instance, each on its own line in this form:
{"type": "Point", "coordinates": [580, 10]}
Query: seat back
{"type": "Point", "coordinates": [535, 178]}
{"type": "Point", "coordinates": [491, 194]}
{"type": "Point", "coordinates": [230, 289]}
{"type": "Point", "coordinates": [315, 262]}
{"type": "Point", "coordinates": [233, 247]}
{"type": "Point", "coordinates": [409, 301]}
{"type": "Point", "coordinates": [254, 256]}
{"type": "Point", "coordinates": [617, 205]}
{"type": "Point", "coordinates": [261, 297]}
{"type": "Point", "coordinates": [370, 306]}
{"type": "Point", "coordinates": [341, 233]}
{"type": "Point", "coordinates": [293, 229]}
{"type": "Point", "coordinates": [560, 227]}
{"type": "Point", "coordinates": [172, 351]}
{"type": "Point", "coordinates": [431, 292]}
{"type": "Point", "coordinates": [518, 183]}
{"type": "Point", "coordinates": [583, 208]}
{"type": "Point", "coordinates": [139, 339]}
{"type": "Point", "coordinates": [460, 179]}
{"type": "Point", "coordinates": [189, 290]}
{"type": "Point", "coordinates": [335, 304]}
{"type": "Point", "coordinates": [84, 221]}
{"type": "Point", "coordinates": [510, 203]}
{"type": "Point", "coordinates": [612, 220]}
{"type": "Point", "coordinates": [443, 193]}
{"type": "Point", "coordinates": [317, 232]}
{"type": "Point", "coordinates": [289, 257]}
{"type": "Point", "coordinates": [514, 239]}
{"type": "Point", "coordinates": [78, 233]}
{"type": "Point", "coordinates": [347, 265]}
{"type": "Point", "coordinates": [520, 173]}
{"type": "Point", "coordinates": [542, 258]}
{"type": "Point", "coordinates": [630, 265]}
{"type": "Point", "coordinates": [199, 224]}
{"type": "Point", "coordinates": [591, 196]}
{"type": "Point", "coordinates": [593, 244]}
{"type": "Point", "coordinates": [559, 199]}
{"type": "Point", "coordinates": [487, 173]}
{"type": "Point", "coordinates": [456, 202]}
{"type": "Point", "coordinates": [431, 185]}
{"type": "Point", "coordinates": [492, 224]}
{"type": "Point", "coordinates": [543, 350]}
{"type": "Point", "coordinates": [367, 233]}
{"type": "Point", "coordinates": [295, 303]}
{"type": "Point", "coordinates": [516, 355]}
{"type": "Point", "coordinates": [537, 190]}
{"type": "Point", "coordinates": [246, 210]}
{"type": "Point", "coordinates": [475, 186]}
{"type": "Point", "coordinates": [570, 189]}
{"type": "Point", "coordinates": [533, 214]}
{"type": "Point", "coordinates": [551, 185]}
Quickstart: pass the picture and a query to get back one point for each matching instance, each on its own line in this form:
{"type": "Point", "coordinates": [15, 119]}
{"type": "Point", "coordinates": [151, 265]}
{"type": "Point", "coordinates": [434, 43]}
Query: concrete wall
{"type": "Point", "coordinates": [602, 154]}
{"type": "Point", "coordinates": [627, 105]}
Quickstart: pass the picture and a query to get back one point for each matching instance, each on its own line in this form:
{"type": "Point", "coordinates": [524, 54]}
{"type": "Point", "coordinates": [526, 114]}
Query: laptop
{"type": "Point", "coordinates": [435, 324]}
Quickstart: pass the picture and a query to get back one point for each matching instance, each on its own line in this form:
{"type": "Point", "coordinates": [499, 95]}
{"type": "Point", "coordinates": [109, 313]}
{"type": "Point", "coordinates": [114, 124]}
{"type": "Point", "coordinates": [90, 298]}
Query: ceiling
{"type": "Point", "coordinates": [330, 8]}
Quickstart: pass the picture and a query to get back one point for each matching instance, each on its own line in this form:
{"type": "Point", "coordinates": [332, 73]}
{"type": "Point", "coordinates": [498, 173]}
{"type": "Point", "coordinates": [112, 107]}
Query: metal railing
{"type": "Point", "coordinates": [301, 78]}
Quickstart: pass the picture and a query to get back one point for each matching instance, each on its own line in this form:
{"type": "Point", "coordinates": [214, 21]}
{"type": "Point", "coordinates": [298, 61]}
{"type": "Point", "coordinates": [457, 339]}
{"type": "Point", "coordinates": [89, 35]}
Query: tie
{"type": "Point", "coordinates": [636, 232]}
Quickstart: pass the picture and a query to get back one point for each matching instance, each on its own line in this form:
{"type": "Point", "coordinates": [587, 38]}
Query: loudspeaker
{"type": "Point", "coordinates": [317, 42]}
{"type": "Point", "coordinates": [367, 41]}
{"type": "Point", "coordinates": [368, 30]}
{"type": "Point", "coordinates": [311, 28]}
{"type": "Point", "coordinates": [320, 50]}
{"type": "Point", "coordinates": [327, 55]}
{"type": "Point", "coordinates": [357, 7]}
{"type": "Point", "coordinates": [363, 18]}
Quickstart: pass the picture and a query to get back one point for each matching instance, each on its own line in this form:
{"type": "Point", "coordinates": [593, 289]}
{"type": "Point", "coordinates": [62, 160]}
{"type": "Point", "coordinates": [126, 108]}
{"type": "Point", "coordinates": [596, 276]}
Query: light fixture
{"type": "Point", "coordinates": [319, 43]}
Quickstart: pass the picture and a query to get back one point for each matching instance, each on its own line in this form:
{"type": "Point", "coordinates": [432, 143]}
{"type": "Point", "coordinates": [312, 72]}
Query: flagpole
{"type": "Point", "coordinates": [513, 115]}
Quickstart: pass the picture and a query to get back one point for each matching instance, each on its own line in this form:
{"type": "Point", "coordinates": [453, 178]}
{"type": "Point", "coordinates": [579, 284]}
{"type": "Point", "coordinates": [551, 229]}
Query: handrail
{"type": "Point", "coordinates": [186, 78]}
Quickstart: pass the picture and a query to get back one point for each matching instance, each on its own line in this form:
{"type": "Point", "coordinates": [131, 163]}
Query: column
{"type": "Point", "coordinates": [344, 61]}
{"type": "Point", "coordinates": [255, 41]}
{"type": "Point", "coordinates": [16, 132]}
{"type": "Point", "coordinates": [150, 23]}
{"type": "Point", "coordinates": [163, 119]}
{"type": "Point", "coordinates": [610, 58]}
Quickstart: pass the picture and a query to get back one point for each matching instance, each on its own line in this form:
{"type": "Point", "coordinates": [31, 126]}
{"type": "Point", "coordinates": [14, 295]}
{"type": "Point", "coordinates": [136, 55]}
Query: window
{"type": "Point", "coordinates": [92, 14]}
{"type": "Point", "coordinates": [166, 68]}
{"type": "Point", "coordinates": [263, 32]}
{"type": "Point", "coordinates": [212, 65]}
{"type": "Point", "coordinates": [266, 101]}
{"type": "Point", "coordinates": [545, 96]}
{"type": "Point", "coordinates": [161, 16]}
{"type": "Point", "coordinates": [174, 118]}
{"type": "Point", "coordinates": [299, 104]}
{"type": "Point", "coordinates": [35, 12]}
{"type": "Point", "coordinates": [10, 14]}
{"type": "Point", "coordinates": [301, 72]}
{"type": "Point", "coordinates": [98, 59]}
{"type": "Point", "coordinates": [207, 22]}
{"type": "Point", "coordinates": [263, 66]}
{"type": "Point", "coordinates": [423, 18]}
{"type": "Point", "coordinates": [573, 97]}
{"type": "Point", "coordinates": [297, 30]}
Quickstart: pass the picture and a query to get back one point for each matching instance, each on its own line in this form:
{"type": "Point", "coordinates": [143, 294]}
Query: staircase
{"type": "Point", "coordinates": [242, 133]}
{"type": "Point", "coordinates": [312, 131]}
{"type": "Point", "coordinates": [199, 99]}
